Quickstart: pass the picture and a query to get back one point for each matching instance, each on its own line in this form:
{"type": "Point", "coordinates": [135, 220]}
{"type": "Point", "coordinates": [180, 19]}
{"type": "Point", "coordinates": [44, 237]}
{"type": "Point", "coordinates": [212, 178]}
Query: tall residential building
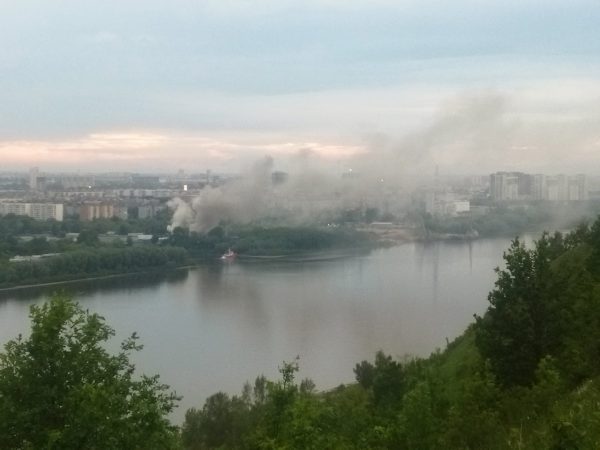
{"type": "Point", "coordinates": [506, 186]}
{"type": "Point", "coordinates": [38, 211]}
{"type": "Point", "coordinates": [509, 186]}
{"type": "Point", "coordinates": [556, 188]}
{"type": "Point", "coordinates": [34, 173]}
{"type": "Point", "coordinates": [96, 210]}
{"type": "Point", "coordinates": [539, 187]}
{"type": "Point", "coordinates": [70, 182]}
{"type": "Point", "coordinates": [577, 188]}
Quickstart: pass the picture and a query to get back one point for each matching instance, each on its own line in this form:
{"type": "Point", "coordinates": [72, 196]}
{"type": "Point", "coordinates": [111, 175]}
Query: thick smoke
{"type": "Point", "coordinates": [484, 132]}
{"type": "Point", "coordinates": [241, 200]}
{"type": "Point", "coordinates": [304, 193]}
{"type": "Point", "coordinates": [472, 134]}
{"type": "Point", "coordinates": [463, 134]}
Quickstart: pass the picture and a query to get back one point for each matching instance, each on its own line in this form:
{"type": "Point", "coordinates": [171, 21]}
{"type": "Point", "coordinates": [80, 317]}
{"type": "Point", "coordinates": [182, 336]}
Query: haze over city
{"type": "Point", "coordinates": [471, 86]}
{"type": "Point", "coordinates": [300, 224]}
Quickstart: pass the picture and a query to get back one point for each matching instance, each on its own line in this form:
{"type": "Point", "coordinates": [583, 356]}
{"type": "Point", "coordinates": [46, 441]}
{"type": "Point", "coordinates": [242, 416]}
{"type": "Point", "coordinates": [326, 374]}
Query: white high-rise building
{"type": "Point", "coordinates": [577, 189]}
{"type": "Point", "coordinates": [34, 173]}
{"type": "Point", "coordinates": [520, 186]}
{"type": "Point", "coordinates": [506, 186]}
{"type": "Point", "coordinates": [38, 211]}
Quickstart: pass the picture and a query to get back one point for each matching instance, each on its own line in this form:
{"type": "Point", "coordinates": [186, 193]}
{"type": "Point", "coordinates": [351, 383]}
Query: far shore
{"type": "Point", "coordinates": [96, 278]}
{"type": "Point", "coordinates": [195, 263]}
{"type": "Point", "coordinates": [384, 238]}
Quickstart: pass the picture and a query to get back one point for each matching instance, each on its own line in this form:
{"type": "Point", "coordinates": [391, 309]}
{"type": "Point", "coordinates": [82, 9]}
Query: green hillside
{"type": "Point", "coordinates": [526, 375]}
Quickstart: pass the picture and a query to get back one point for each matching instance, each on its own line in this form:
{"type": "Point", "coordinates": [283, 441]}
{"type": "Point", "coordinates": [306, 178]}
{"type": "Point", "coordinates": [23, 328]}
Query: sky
{"type": "Point", "coordinates": [157, 86]}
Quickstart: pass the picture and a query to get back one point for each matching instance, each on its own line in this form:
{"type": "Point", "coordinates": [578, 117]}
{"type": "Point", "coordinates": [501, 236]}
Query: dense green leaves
{"type": "Point", "coordinates": [87, 257]}
{"type": "Point", "coordinates": [61, 389]}
{"type": "Point", "coordinates": [91, 262]}
{"type": "Point", "coordinates": [510, 333]}
{"type": "Point", "coordinates": [545, 303]}
{"type": "Point", "coordinates": [258, 241]}
{"type": "Point", "coordinates": [14, 228]}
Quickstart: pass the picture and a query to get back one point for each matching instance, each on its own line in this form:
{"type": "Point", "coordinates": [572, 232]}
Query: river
{"type": "Point", "coordinates": [214, 327]}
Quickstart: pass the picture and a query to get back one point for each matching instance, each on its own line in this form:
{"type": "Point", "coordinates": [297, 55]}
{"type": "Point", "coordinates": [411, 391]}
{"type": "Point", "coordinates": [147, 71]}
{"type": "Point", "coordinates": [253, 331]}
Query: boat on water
{"type": "Point", "coordinates": [229, 256]}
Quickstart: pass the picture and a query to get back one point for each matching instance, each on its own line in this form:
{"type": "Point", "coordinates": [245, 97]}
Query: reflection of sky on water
{"type": "Point", "coordinates": [216, 326]}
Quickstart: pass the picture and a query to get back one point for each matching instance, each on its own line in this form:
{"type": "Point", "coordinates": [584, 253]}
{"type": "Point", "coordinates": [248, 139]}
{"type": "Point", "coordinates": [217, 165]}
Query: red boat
{"type": "Point", "coordinates": [229, 256]}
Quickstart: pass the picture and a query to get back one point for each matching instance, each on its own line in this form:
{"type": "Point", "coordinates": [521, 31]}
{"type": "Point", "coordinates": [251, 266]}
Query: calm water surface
{"type": "Point", "coordinates": [214, 327]}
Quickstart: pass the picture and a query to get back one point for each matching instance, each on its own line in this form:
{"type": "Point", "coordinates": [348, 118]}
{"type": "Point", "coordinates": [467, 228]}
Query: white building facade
{"type": "Point", "coordinates": [38, 211]}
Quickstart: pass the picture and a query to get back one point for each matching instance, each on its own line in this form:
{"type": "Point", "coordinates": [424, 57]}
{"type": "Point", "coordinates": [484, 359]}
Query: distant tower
{"type": "Point", "coordinates": [208, 176]}
{"type": "Point", "coordinates": [436, 179]}
{"type": "Point", "coordinates": [34, 173]}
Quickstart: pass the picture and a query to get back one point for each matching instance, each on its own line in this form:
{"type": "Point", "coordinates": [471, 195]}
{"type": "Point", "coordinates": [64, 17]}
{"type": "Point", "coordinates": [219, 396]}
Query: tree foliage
{"type": "Point", "coordinates": [86, 261]}
{"type": "Point", "coordinates": [545, 303]}
{"type": "Point", "coordinates": [61, 389]}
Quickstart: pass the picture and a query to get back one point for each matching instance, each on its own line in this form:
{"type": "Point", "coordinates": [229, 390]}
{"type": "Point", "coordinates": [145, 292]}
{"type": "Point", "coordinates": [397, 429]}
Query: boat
{"type": "Point", "coordinates": [229, 256]}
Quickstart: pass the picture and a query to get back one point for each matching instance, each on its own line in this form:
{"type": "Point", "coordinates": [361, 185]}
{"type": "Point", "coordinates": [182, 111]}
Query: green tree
{"type": "Point", "coordinates": [124, 229]}
{"type": "Point", "coordinates": [88, 237]}
{"type": "Point", "coordinates": [418, 425]}
{"type": "Point", "coordinates": [515, 333]}
{"type": "Point", "coordinates": [473, 421]}
{"type": "Point", "coordinates": [61, 389]}
{"type": "Point", "coordinates": [212, 427]}
{"type": "Point", "coordinates": [388, 381]}
{"type": "Point", "coordinates": [364, 373]}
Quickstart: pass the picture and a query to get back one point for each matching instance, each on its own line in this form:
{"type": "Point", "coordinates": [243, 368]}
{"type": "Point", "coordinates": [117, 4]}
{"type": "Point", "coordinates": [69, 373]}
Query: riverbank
{"type": "Point", "coordinates": [387, 235]}
{"type": "Point", "coordinates": [200, 262]}
{"type": "Point", "coordinates": [93, 278]}
{"type": "Point", "coordinates": [379, 237]}
{"type": "Point", "coordinates": [90, 262]}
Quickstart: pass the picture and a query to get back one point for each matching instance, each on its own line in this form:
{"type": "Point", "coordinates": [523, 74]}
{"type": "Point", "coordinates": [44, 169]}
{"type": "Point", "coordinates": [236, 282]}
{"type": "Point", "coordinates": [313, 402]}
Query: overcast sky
{"type": "Point", "coordinates": [157, 85]}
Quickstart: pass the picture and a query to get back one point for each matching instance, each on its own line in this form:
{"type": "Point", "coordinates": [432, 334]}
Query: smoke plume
{"type": "Point", "coordinates": [472, 134]}
{"type": "Point", "coordinates": [240, 200]}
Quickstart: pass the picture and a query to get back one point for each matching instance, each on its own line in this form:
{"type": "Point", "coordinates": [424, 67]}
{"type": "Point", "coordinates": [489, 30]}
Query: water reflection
{"type": "Point", "coordinates": [225, 290]}
{"type": "Point", "coordinates": [105, 285]}
{"type": "Point", "coordinates": [470, 256]}
{"type": "Point", "coordinates": [210, 277]}
{"type": "Point", "coordinates": [215, 326]}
